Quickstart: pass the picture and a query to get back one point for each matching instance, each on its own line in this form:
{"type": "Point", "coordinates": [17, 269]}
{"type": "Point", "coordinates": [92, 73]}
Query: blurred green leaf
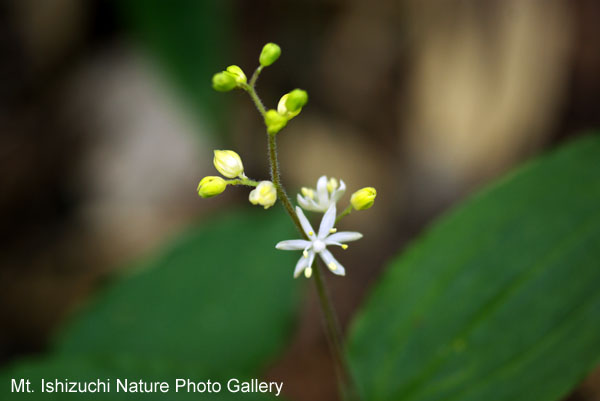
{"type": "Point", "coordinates": [499, 300]}
{"type": "Point", "coordinates": [191, 40]}
{"type": "Point", "coordinates": [218, 304]}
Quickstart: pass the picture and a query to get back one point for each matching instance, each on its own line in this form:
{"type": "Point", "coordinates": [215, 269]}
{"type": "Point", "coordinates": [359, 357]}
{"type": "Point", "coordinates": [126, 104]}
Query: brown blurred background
{"type": "Point", "coordinates": [102, 142]}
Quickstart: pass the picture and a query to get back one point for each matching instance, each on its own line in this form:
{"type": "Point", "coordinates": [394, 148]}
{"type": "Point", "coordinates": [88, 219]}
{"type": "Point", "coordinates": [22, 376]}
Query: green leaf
{"type": "Point", "coordinates": [217, 304]}
{"type": "Point", "coordinates": [499, 300]}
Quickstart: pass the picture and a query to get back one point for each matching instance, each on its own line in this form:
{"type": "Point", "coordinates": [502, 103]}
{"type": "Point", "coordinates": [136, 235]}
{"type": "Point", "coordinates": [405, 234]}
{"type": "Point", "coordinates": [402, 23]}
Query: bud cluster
{"type": "Point", "coordinates": [289, 106]}
{"type": "Point", "coordinates": [321, 199]}
{"type": "Point", "coordinates": [229, 164]}
{"type": "Point", "coordinates": [233, 77]}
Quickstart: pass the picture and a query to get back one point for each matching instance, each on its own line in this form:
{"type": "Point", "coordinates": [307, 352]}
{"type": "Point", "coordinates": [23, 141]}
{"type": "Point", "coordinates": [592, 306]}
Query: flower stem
{"type": "Point", "coordinates": [332, 330]}
{"type": "Point", "coordinates": [348, 389]}
{"type": "Point", "coordinates": [242, 181]}
{"type": "Point", "coordinates": [331, 323]}
{"type": "Point", "coordinates": [255, 76]}
{"type": "Point", "coordinates": [250, 88]}
{"type": "Point", "coordinates": [345, 213]}
{"type": "Point", "coordinates": [276, 178]}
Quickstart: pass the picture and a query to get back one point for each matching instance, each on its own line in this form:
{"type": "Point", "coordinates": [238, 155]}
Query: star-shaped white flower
{"type": "Point", "coordinates": [328, 192]}
{"type": "Point", "coordinates": [317, 243]}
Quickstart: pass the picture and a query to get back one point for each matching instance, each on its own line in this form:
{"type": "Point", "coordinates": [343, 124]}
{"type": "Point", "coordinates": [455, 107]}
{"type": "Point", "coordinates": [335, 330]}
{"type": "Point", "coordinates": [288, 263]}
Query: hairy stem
{"type": "Point", "coordinates": [335, 337]}
{"type": "Point", "coordinates": [250, 88]}
{"type": "Point", "coordinates": [242, 181]}
{"type": "Point", "coordinates": [255, 76]}
{"type": "Point", "coordinates": [332, 330]}
{"type": "Point", "coordinates": [276, 178]}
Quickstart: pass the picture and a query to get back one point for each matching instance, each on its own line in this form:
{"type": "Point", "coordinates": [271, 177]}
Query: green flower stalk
{"type": "Point", "coordinates": [321, 199]}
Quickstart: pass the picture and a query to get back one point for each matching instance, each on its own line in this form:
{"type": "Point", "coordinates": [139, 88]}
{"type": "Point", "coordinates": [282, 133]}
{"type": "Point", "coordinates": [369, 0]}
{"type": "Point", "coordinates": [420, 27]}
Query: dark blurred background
{"type": "Point", "coordinates": [108, 122]}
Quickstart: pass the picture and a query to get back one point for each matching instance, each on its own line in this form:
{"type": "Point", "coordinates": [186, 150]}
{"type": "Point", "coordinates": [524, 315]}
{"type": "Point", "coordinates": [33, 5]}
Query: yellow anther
{"type": "Point", "coordinates": [308, 272]}
{"type": "Point", "coordinates": [310, 233]}
{"type": "Point", "coordinates": [307, 192]}
{"type": "Point", "coordinates": [333, 230]}
{"type": "Point", "coordinates": [332, 185]}
{"type": "Point", "coordinates": [332, 266]}
{"type": "Point", "coordinates": [344, 246]}
{"type": "Point", "coordinates": [305, 253]}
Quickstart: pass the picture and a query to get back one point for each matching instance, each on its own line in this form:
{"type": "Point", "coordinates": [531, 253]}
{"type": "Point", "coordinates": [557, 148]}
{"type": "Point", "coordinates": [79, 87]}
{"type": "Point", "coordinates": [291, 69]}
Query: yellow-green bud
{"type": "Point", "coordinates": [238, 74]}
{"type": "Point", "coordinates": [291, 103]}
{"type": "Point", "coordinates": [283, 110]}
{"type": "Point", "coordinates": [296, 100]}
{"type": "Point", "coordinates": [264, 194]}
{"type": "Point", "coordinates": [274, 121]}
{"type": "Point", "coordinates": [223, 81]}
{"type": "Point", "coordinates": [363, 198]}
{"type": "Point", "coordinates": [270, 53]}
{"type": "Point", "coordinates": [211, 186]}
{"type": "Point", "coordinates": [228, 163]}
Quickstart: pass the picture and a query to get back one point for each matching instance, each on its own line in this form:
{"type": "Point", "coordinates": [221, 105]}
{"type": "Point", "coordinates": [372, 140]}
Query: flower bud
{"type": "Point", "coordinates": [238, 74]}
{"type": "Point", "coordinates": [282, 108]}
{"type": "Point", "coordinates": [223, 81]}
{"type": "Point", "coordinates": [274, 121]}
{"type": "Point", "coordinates": [211, 186]}
{"type": "Point", "coordinates": [363, 198]}
{"type": "Point", "coordinates": [296, 100]}
{"type": "Point", "coordinates": [270, 53]}
{"type": "Point", "coordinates": [264, 194]}
{"type": "Point", "coordinates": [291, 103]}
{"type": "Point", "coordinates": [228, 163]}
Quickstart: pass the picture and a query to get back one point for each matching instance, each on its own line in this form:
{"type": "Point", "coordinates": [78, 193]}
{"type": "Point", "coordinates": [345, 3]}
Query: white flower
{"type": "Point", "coordinates": [264, 194]}
{"type": "Point", "coordinates": [317, 244]}
{"type": "Point", "coordinates": [326, 194]}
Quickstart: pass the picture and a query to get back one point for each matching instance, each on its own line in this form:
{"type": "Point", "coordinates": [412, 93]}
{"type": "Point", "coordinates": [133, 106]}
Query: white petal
{"type": "Point", "coordinates": [292, 245]}
{"type": "Point", "coordinates": [304, 222]}
{"type": "Point", "coordinates": [303, 202]}
{"type": "Point", "coordinates": [307, 204]}
{"type": "Point", "coordinates": [327, 222]}
{"type": "Point", "coordinates": [322, 193]}
{"type": "Point", "coordinates": [311, 259]}
{"type": "Point", "coordinates": [343, 236]}
{"type": "Point", "coordinates": [338, 193]}
{"type": "Point", "coordinates": [300, 266]}
{"type": "Point", "coordinates": [332, 264]}
{"type": "Point", "coordinates": [320, 207]}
